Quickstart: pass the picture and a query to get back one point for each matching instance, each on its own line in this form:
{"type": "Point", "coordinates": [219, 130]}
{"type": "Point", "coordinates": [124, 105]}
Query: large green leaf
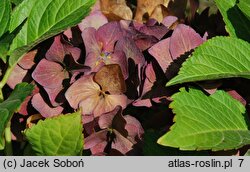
{"type": "Point", "coordinates": [220, 57]}
{"type": "Point", "coordinates": [16, 2]}
{"type": "Point", "coordinates": [21, 13]}
{"type": "Point", "coordinates": [11, 105]}
{"type": "Point", "coordinates": [5, 10]}
{"type": "Point", "coordinates": [47, 18]}
{"type": "Point", "coordinates": [244, 6]}
{"type": "Point", "coordinates": [237, 24]}
{"type": "Point", "coordinates": [206, 122]}
{"type": "Point", "coordinates": [152, 148]}
{"type": "Point", "coordinates": [60, 135]}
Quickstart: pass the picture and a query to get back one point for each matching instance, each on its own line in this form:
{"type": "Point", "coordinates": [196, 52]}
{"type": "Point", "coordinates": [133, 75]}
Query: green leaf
{"type": "Point", "coordinates": [244, 6]}
{"type": "Point", "coordinates": [152, 148]}
{"type": "Point", "coordinates": [11, 105]}
{"type": "Point", "coordinates": [219, 57]}
{"type": "Point", "coordinates": [5, 42]}
{"type": "Point", "coordinates": [247, 153]}
{"type": "Point", "coordinates": [16, 2]}
{"type": "Point", "coordinates": [21, 13]}
{"type": "Point", "coordinates": [47, 18]}
{"type": "Point", "coordinates": [60, 135]}
{"type": "Point", "coordinates": [5, 10]}
{"type": "Point", "coordinates": [237, 24]}
{"type": "Point", "coordinates": [206, 122]}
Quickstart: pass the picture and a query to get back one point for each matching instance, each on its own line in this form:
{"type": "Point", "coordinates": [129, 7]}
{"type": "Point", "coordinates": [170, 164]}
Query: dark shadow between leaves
{"type": "Point", "coordinates": [152, 118]}
{"type": "Point", "coordinates": [241, 86]}
{"type": "Point", "coordinates": [212, 24]}
{"type": "Point", "coordinates": [133, 80]}
{"type": "Point", "coordinates": [152, 148]}
{"type": "Point", "coordinates": [175, 66]}
{"type": "Point", "coordinates": [240, 23]}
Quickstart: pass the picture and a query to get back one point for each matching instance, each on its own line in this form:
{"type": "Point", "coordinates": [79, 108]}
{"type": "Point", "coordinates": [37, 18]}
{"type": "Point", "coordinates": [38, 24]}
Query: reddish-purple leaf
{"type": "Point", "coordinates": [95, 20]}
{"type": "Point", "coordinates": [96, 7]}
{"type": "Point", "coordinates": [68, 33]}
{"type": "Point", "coordinates": [205, 36]}
{"type": "Point", "coordinates": [210, 86]}
{"type": "Point", "coordinates": [20, 72]}
{"type": "Point", "coordinates": [113, 120]}
{"type": "Point", "coordinates": [161, 53]}
{"type": "Point", "coordinates": [106, 120]}
{"type": "Point", "coordinates": [98, 149]}
{"type": "Point", "coordinates": [194, 5]}
{"type": "Point", "coordinates": [128, 46]}
{"type": "Point", "coordinates": [237, 96]}
{"type": "Point", "coordinates": [75, 52]}
{"type": "Point", "coordinates": [148, 102]}
{"type": "Point", "coordinates": [183, 39]}
{"type": "Point", "coordinates": [89, 36]}
{"type": "Point", "coordinates": [169, 21]}
{"type": "Point", "coordinates": [89, 104]}
{"type": "Point", "coordinates": [144, 42]}
{"type": "Point", "coordinates": [151, 22]}
{"type": "Point", "coordinates": [150, 73]}
{"type": "Point", "coordinates": [119, 57]}
{"type": "Point", "coordinates": [152, 91]}
{"type": "Point", "coordinates": [87, 118]}
{"type": "Point", "coordinates": [94, 61]}
{"type": "Point", "coordinates": [56, 51]}
{"type": "Point", "coordinates": [83, 88]}
{"type": "Point", "coordinates": [156, 31]}
{"type": "Point", "coordinates": [43, 108]}
{"type": "Point", "coordinates": [150, 78]}
{"type": "Point", "coordinates": [108, 34]}
{"type": "Point", "coordinates": [89, 123]}
{"type": "Point", "coordinates": [73, 66]}
{"type": "Point", "coordinates": [137, 25]}
{"type": "Point", "coordinates": [127, 131]}
{"type": "Point", "coordinates": [119, 122]}
{"type": "Point", "coordinates": [121, 143]}
{"type": "Point", "coordinates": [210, 90]}
{"type": "Point", "coordinates": [24, 106]}
{"type": "Point", "coordinates": [49, 74]}
{"type": "Point", "coordinates": [27, 61]}
{"type": "Point", "coordinates": [127, 28]}
{"type": "Point", "coordinates": [109, 102]}
{"type": "Point", "coordinates": [134, 129]}
{"type": "Point", "coordinates": [55, 97]}
{"type": "Point", "coordinates": [95, 139]}
{"type": "Point", "coordinates": [59, 49]}
{"type": "Point", "coordinates": [142, 103]}
{"type": "Point", "coordinates": [17, 76]}
{"type": "Point", "coordinates": [74, 77]}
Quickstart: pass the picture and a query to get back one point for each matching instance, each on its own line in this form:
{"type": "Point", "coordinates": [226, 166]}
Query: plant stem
{"type": "Point", "coordinates": [8, 143]}
{"type": "Point", "coordinates": [1, 96]}
{"type": "Point", "coordinates": [5, 78]}
{"type": "Point", "coordinates": [7, 132]}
